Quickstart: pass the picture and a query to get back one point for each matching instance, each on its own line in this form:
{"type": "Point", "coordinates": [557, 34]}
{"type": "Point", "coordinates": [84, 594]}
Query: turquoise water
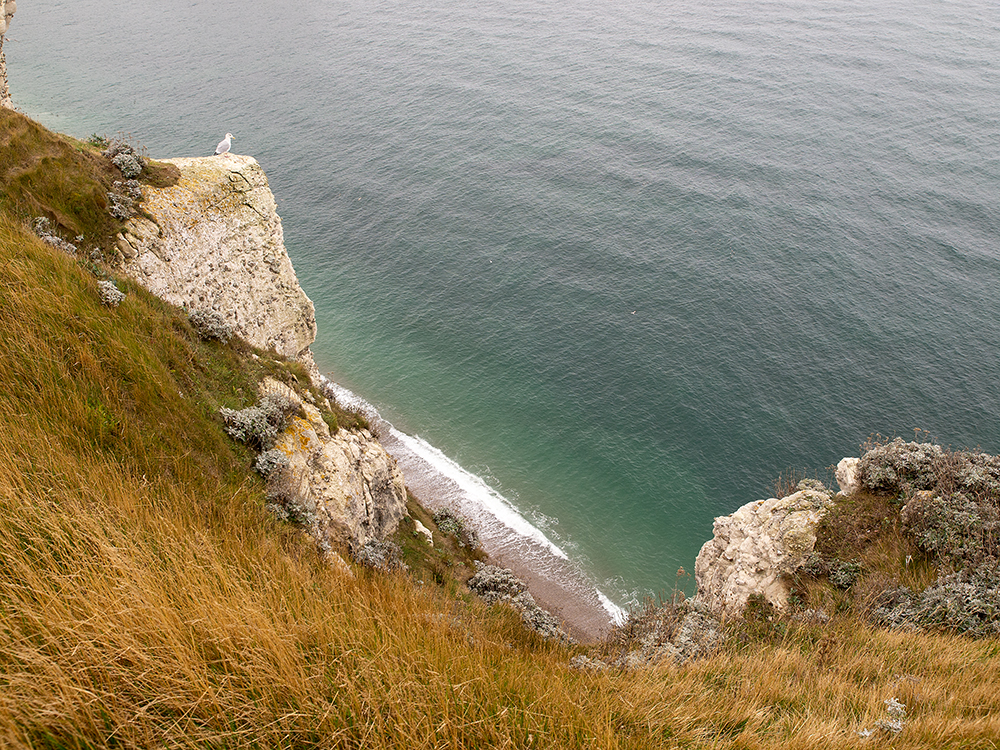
{"type": "Point", "coordinates": [626, 264]}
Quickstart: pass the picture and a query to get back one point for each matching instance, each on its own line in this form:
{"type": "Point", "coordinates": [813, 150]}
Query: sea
{"type": "Point", "coordinates": [608, 269]}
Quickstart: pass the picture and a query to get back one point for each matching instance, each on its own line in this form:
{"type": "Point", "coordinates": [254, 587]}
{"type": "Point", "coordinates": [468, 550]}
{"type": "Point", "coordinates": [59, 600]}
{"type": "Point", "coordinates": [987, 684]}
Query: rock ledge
{"type": "Point", "coordinates": [756, 547]}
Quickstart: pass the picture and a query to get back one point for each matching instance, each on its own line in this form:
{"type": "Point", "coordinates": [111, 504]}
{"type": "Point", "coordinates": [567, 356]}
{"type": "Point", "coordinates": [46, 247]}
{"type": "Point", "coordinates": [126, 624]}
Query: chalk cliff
{"type": "Point", "coordinates": [344, 485]}
{"type": "Point", "coordinates": [7, 10]}
{"type": "Point", "coordinates": [755, 548]}
{"type": "Point", "coordinates": [215, 242]}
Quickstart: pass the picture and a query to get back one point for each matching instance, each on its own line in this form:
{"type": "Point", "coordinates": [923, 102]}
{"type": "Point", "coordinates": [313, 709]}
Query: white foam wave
{"type": "Point", "coordinates": [477, 491]}
{"type": "Point", "coordinates": [349, 400]}
{"type": "Point", "coordinates": [616, 612]}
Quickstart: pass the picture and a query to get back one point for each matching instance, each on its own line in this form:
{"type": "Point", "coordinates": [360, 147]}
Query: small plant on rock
{"type": "Point", "coordinates": [259, 426]}
{"type": "Point", "coordinates": [954, 527]}
{"type": "Point", "coordinates": [123, 197]}
{"type": "Point", "coordinates": [43, 228]}
{"type": "Point", "coordinates": [128, 165]}
{"type": "Point", "coordinates": [843, 575]}
{"type": "Point", "coordinates": [269, 462]}
{"type": "Point", "coordinates": [111, 295]}
{"type": "Point", "coordinates": [499, 585]}
{"type": "Point", "coordinates": [380, 555]}
{"type": "Point", "coordinates": [210, 324]}
{"type": "Point", "coordinates": [678, 630]}
{"type": "Point", "coordinates": [452, 524]}
{"type": "Point", "coordinates": [129, 160]}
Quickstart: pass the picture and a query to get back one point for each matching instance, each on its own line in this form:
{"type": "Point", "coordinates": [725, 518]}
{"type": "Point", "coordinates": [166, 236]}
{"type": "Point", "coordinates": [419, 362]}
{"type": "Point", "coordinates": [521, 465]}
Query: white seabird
{"type": "Point", "coordinates": [225, 145]}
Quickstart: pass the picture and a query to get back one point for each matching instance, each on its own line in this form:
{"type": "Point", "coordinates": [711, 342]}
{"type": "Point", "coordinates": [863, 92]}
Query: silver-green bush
{"type": "Point", "coordinates": [210, 324]}
{"type": "Point", "coordinates": [259, 426]}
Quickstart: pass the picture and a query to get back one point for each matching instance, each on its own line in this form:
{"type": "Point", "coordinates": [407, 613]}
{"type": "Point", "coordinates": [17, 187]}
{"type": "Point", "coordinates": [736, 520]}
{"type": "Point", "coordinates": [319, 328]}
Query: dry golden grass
{"type": "Point", "coordinates": [148, 600]}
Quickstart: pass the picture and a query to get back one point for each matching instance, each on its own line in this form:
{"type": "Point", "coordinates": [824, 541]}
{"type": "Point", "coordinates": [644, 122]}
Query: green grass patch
{"type": "Point", "coordinates": [447, 564]}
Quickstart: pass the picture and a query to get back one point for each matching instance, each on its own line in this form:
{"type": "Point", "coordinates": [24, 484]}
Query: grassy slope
{"type": "Point", "coordinates": [148, 600]}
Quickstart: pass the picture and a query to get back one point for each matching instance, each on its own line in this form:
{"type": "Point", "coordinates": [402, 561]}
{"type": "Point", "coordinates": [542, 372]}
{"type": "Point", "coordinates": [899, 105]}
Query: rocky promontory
{"type": "Point", "coordinates": [757, 547]}
{"type": "Point", "coordinates": [343, 485]}
{"type": "Point", "coordinates": [214, 242]}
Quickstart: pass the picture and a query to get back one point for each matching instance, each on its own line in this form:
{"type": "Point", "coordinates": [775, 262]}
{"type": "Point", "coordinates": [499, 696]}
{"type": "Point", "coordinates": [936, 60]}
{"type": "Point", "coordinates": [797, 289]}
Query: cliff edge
{"type": "Point", "coordinates": [342, 485]}
{"type": "Point", "coordinates": [755, 549]}
{"type": "Point", "coordinates": [7, 10]}
{"type": "Point", "coordinates": [214, 241]}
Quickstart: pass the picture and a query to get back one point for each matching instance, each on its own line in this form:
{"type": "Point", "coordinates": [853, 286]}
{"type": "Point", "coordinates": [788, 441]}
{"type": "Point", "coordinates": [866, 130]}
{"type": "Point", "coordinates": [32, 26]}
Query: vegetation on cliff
{"type": "Point", "coordinates": [149, 599]}
{"type": "Point", "coordinates": [917, 546]}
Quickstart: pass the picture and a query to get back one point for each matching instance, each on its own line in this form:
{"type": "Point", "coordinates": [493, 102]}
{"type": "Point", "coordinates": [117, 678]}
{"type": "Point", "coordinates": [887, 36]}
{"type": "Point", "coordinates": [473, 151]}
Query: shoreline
{"type": "Point", "coordinates": [554, 581]}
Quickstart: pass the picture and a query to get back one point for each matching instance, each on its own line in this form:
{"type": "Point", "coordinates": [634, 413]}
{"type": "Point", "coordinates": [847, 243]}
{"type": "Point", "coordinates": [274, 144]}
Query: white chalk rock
{"type": "Point", "coordinates": [215, 242]}
{"type": "Point", "coordinates": [847, 475]}
{"type": "Point", "coordinates": [7, 10]}
{"type": "Point", "coordinates": [351, 490]}
{"type": "Point", "coordinates": [423, 530]}
{"type": "Point", "coordinates": [756, 547]}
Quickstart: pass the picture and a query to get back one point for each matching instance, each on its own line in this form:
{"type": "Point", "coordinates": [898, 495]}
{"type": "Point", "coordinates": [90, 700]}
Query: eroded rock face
{"type": "Point", "coordinates": [7, 10]}
{"type": "Point", "coordinates": [216, 243]}
{"type": "Point", "coordinates": [346, 484]}
{"type": "Point", "coordinates": [755, 547]}
{"type": "Point", "coordinates": [847, 475]}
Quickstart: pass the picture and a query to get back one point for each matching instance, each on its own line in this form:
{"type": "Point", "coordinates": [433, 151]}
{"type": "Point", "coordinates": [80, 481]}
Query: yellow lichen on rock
{"type": "Point", "coordinates": [215, 242]}
{"type": "Point", "coordinates": [348, 486]}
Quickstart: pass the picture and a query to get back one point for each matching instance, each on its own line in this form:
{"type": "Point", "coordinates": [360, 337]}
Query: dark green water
{"type": "Point", "coordinates": [626, 264]}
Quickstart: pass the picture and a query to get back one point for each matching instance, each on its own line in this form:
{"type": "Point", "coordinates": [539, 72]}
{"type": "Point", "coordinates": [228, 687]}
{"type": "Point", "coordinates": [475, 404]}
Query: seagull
{"type": "Point", "coordinates": [224, 146]}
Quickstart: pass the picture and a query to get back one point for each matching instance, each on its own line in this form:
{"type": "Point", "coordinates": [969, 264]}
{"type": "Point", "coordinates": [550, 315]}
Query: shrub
{"type": "Point", "coordinates": [128, 164]}
{"type": "Point", "coordinates": [965, 602]}
{"type": "Point", "coordinates": [499, 585]}
{"type": "Point", "coordinates": [898, 466]}
{"type": "Point", "coordinates": [952, 497]}
{"type": "Point", "coordinates": [954, 527]}
{"type": "Point", "coordinates": [123, 197]}
{"type": "Point", "coordinates": [120, 206]}
{"type": "Point", "coordinates": [110, 294]}
{"type": "Point", "coordinates": [43, 228]}
{"type": "Point", "coordinates": [979, 475]}
{"type": "Point", "coordinates": [494, 583]}
{"type": "Point", "coordinates": [379, 555]}
{"type": "Point", "coordinates": [844, 574]}
{"type": "Point", "coordinates": [131, 188]}
{"type": "Point", "coordinates": [259, 426]}
{"type": "Point", "coordinates": [129, 160]}
{"type": "Point", "coordinates": [680, 629]}
{"type": "Point", "coordinates": [452, 524]}
{"type": "Point", "coordinates": [287, 498]}
{"type": "Point", "coordinates": [270, 461]}
{"type": "Point", "coordinates": [210, 324]}
{"type": "Point", "coordinates": [904, 468]}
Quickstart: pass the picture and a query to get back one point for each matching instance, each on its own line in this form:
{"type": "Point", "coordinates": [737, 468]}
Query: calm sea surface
{"type": "Point", "coordinates": [626, 262]}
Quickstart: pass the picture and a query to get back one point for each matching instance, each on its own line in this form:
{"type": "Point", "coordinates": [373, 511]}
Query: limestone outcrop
{"type": "Point", "coordinates": [755, 548]}
{"type": "Point", "coordinates": [847, 475]}
{"type": "Point", "coordinates": [344, 487]}
{"type": "Point", "coordinates": [215, 242]}
{"type": "Point", "coordinates": [7, 10]}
